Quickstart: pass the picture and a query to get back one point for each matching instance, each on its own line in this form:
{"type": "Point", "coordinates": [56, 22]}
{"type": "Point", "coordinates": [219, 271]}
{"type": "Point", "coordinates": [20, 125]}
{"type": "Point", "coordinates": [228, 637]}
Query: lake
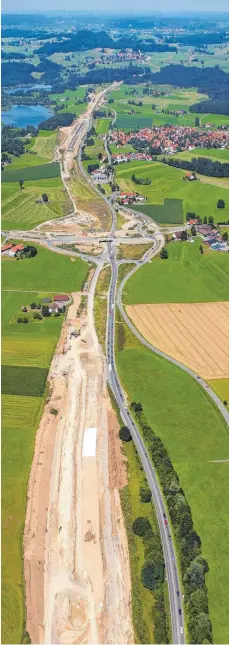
{"type": "Point", "coordinates": [23, 115]}
{"type": "Point", "coordinates": [28, 88]}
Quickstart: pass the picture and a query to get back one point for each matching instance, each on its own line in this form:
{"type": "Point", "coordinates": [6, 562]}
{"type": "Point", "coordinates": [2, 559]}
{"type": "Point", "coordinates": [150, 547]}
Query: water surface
{"type": "Point", "coordinates": [22, 115]}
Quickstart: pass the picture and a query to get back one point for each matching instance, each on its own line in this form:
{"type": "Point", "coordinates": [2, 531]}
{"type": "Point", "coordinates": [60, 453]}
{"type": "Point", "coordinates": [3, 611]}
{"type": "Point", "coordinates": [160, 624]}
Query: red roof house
{"type": "Point", "coordinates": [6, 247]}
{"type": "Point", "coordinates": [61, 297]}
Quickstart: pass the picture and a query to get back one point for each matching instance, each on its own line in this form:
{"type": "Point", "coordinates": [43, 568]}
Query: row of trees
{"type": "Point", "coordinates": [193, 566]}
{"type": "Point", "coordinates": [202, 165]}
{"type": "Point", "coordinates": [152, 572]}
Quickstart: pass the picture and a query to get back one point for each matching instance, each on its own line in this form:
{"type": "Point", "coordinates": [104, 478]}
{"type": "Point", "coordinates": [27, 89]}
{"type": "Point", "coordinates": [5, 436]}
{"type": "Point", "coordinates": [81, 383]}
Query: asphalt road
{"type": "Point", "coordinates": [177, 619]}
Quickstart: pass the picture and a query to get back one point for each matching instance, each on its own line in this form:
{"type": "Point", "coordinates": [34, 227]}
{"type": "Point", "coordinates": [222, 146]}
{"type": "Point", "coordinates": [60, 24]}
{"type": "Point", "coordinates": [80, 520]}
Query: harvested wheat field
{"type": "Point", "coordinates": [195, 334]}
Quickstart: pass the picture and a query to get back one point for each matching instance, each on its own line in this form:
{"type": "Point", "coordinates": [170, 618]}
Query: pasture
{"type": "Point", "coordinates": [19, 210]}
{"type": "Point", "coordinates": [27, 159]}
{"type": "Point", "coordinates": [47, 271]}
{"type": "Point", "coordinates": [187, 276]}
{"type": "Point", "coordinates": [31, 172]}
{"type": "Point", "coordinates": [167, 327]}
{"type": "Point", "coordinates": [167, 183]}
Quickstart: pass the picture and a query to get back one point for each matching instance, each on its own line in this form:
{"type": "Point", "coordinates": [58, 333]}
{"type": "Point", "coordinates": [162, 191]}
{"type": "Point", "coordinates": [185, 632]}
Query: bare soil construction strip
{"type": "Point", "coordinates": [194, 334]}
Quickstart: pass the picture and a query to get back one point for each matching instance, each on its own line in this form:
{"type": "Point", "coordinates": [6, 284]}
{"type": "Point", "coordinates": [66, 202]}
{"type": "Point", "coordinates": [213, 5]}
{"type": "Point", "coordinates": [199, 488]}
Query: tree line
{"type": "Point", "coordinates": [153, 568]}
{"type": "Point", "coordinates": [202, 165]}
{"type": "Point", "coordinates": [193, 566]}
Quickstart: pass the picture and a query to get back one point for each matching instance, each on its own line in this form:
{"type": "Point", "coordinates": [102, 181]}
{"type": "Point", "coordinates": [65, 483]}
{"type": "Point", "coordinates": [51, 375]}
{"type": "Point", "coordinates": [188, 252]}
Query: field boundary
{"type": "Point", "coordinates": [198, 379]}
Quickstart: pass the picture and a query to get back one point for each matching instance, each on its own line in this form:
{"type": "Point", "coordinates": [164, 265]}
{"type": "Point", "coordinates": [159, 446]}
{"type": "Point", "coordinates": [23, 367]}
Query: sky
{"type": "Point", "coordinates": [149, 6]}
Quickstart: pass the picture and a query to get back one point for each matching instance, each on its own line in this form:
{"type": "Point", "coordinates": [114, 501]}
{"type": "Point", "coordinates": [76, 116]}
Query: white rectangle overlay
{"type": "Point", "coordinates": [89, 442]}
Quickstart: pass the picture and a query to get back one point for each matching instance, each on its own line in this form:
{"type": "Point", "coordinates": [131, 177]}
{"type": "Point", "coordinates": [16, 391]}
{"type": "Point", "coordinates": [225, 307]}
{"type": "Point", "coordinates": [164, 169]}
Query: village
{"type": "Point", "coordinates": [167, 139]}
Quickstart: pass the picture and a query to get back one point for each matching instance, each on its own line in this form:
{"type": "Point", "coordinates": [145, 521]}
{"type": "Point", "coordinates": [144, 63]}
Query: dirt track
{"type": "Point", "coordinates": [194, 334]}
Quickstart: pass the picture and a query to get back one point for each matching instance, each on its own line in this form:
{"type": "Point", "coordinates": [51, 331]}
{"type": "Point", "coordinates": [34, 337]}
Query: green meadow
{"type": "Point", "coordinates": [46, 271]}
{"type": "Point", "coordinates": [187, 276]}
{"type": "Point", "coordinates": [167, 183]}
{"type": "Point", "coordinates": [26, 354]}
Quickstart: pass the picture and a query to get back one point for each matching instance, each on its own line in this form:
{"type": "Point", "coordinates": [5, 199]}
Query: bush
{"type": "Point", "coordinates": [164, 254]}
{"type": "Point", "coordinates": [25, 320]}
{"type": "Point", "coordinates": [53, 411]}
{"type": "Point", "coordinates": [124, 434]}
{"type": "Point", "coordinates": [145, 494]}
{"type": "Point", "coordinates": [19, 319]}
{"type": "Point", "coordinates": [151, 575]}
{"type": "Point", "coordinates": [33, 305]}
{"type": "Point", "coordinates": [37, 316]}
{"type": "Point", "coordinates": [141, 526]}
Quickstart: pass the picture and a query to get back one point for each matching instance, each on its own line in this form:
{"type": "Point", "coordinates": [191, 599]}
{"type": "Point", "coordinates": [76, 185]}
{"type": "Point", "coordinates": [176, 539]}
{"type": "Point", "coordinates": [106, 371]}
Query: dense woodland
{"type": "Point", "coordinates": [57, 121]}
{"type": "Point", "coordinates": [85, 40]}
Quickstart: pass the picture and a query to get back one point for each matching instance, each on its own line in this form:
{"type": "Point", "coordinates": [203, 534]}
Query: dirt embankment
{"type": "Point", "coordinates": [76, 554]}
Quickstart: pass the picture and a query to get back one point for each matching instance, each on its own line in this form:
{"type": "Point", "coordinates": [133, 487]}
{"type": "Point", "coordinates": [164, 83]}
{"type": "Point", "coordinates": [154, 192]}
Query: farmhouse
{"type": "Point", "coordinates": [61, 298]}
{"type": "Point", "coordinates": [54, 307]}
{"type": "Point", "coordinates": [16, 249]}
{"type": "Point", "coordinates": [5, 248]}
{"type": "Point", "coordinates": [204, 230]}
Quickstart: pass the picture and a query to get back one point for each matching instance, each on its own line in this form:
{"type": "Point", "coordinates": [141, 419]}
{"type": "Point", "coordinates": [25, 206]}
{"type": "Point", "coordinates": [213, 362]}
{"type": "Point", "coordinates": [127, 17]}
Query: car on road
{"type": "Point", "coordinates": [170, 537]}
{"type": "Point", "coordinates": [166, 521]}
{"type": "Point", "coordinates": [181, 630]}
{"type": "Point", "coordinates": [178, 593]}
{"type": "Point", "coordinates": [179, 611]}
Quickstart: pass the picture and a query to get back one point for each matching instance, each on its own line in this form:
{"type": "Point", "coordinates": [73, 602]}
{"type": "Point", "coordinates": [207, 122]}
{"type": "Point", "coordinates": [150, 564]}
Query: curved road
{"type": "Point", "coordinates": [183, 367]}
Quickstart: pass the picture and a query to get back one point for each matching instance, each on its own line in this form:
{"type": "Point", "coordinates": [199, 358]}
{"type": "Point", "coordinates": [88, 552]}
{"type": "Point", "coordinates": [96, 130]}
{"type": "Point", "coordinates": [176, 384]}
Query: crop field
{"type": "Point", "coordinates": [167, 183]}
{"type": "Point", "coordinates": [171, 212]}
{"type": "Point", "coordinates": [46, 271]}
{"type": "Point", "coordinates": [29, 173]}
{"type": "Point", "coordinates": [19, 210]}
{"type": "Point", "coordinates": [167, 327]}
{"type": "Point", "coordinates": [187, 276]}
{"type": "Point", "coordinates": [23, 381]}
{"type": "Point", "coordinates": [26, 354]}
{"type": "Point", "coordinates": [221, 388]}
{"type": "Point", "coordinates": [102, 126]}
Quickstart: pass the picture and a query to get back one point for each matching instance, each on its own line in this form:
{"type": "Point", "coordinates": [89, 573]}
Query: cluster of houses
{"type": "Point", "coordinates": [210, 236]}
{"type": "Point", "coordinates": [129, 156]}
{"type": "Point", "coordinates": [126, 198]}
{"type": "Point", "coordinates": [171, 139]}
{"type": "Point", "coordinates": [11, 250]}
